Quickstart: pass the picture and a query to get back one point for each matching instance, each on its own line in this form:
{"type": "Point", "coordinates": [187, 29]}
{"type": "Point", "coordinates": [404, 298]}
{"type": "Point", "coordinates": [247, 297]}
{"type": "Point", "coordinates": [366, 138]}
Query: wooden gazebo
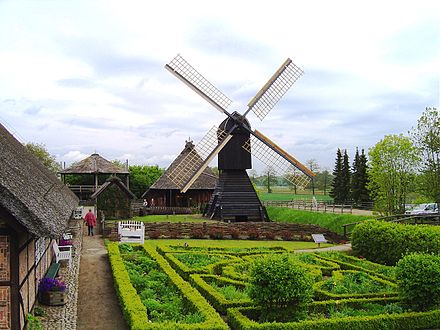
{"type": "Point", "coordinates": [35, 208]}
{"type": "Point", "coordinates": [96, 166]}
{"type": "Point", "coordinates": [165, 193]}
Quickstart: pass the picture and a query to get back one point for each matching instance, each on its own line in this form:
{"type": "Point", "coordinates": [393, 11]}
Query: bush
{"type": "Point", "coordinates": [235, 233]}
{"type": "Point", "coordinates": [154, 234]}
{"type": "Point", "coordinates": [387, 243]}
{"type": "Point", "coordinates": [286, 235]}
{"type": "Point", "coordinates": [215, 233]}
{"type": "Point", "coordinates": [277, 280]}
{"type": "Point", "coordinates": [253, 234]}
{"type": "Point", "coordinates": [196, 233]}
{"type": "Point", "coordinates": [418, 278]}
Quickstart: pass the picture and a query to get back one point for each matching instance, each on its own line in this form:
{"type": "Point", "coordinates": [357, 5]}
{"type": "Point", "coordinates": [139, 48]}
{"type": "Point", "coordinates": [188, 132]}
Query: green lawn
{"type": "Point", "coordinates": [288, 196]}
{"type": "Point", "coordinates": [332, 221]}
{"type": "Point", "coordinates": [288, 245]}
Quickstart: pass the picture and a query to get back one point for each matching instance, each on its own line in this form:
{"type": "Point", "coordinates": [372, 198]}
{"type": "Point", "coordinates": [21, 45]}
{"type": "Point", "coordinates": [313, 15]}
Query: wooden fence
{"type": "Point", "coordinates": [309, 205]}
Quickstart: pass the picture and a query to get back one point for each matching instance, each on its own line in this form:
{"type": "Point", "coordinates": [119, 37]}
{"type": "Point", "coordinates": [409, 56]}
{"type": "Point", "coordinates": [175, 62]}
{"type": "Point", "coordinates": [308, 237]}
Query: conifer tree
{"type": "Point", "coordinates": [359, 179]}
{"type": "Point", "coordinates": [355, 179]}
{"type": "Point", "coordinates": [345, 178]}
{"type": "Point", "coordinates": [364, 193]}
{"type": "Point", "coordinates": [335, 191]}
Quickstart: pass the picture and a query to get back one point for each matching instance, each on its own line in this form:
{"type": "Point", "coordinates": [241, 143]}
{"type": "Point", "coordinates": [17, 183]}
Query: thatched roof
{"type": "Point", "coordinates": [207, 180]}
{"type": "Point", "coordinates": [94, 164]}
{"type": "Point", "coordinates": [114, 180]}
{"type": "Point", "coordinates": [30, 192]}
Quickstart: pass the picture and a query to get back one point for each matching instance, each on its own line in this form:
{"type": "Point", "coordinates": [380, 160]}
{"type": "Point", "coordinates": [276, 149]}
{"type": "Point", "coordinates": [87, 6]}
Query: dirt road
{"type": "Point", "coordinates": [97, 302]}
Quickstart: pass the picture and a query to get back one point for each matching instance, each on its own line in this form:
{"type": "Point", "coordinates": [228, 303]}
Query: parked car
{"type": "Point", "coordinates": [431, 208]}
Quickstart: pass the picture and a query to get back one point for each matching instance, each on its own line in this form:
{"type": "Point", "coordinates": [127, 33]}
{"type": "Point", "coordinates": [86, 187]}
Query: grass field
{"type": "Point", "coordinates": [288, 245]}
{"type": "Point", "coordinates": [288, 196]}
{"type": "Point", "coordinates": [332, 221]}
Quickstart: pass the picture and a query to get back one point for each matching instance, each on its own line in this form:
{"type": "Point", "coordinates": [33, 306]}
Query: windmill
{"type": "Point", "coordinates": [234, 198]}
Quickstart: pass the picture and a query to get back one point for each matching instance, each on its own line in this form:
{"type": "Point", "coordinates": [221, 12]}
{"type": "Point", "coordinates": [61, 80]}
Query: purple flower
{"type": "Point", "coordinates": [64, 242]}
{"type": "Point", "coordinates": [51, 284]}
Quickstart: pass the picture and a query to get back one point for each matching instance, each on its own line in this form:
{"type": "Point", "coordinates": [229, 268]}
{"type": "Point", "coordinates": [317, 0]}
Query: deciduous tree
{"type": "Point", "coordinates": [393, 163]}
{"type": "Point", "coordinates": [426, 137]}
{"type": "Point", "coordinates": [39, 150]}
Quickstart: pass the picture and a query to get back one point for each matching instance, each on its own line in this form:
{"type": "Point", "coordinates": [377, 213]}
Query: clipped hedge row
{"type": "Point", "coordinates": [133, 309]}
{"type": "Point", "coordinates": [322, 294]}
{"type": "Point", "coordinates": [386, 243]}
{"type": "Point", "coordinates": [216, 299]}
{"type": "Point", "coordinates": [212, 318]}
{"type": "Point", "coordinates": [185, 271]}
{"type": "Point", "coordinates": [407, 320]}
{"type": "Point", "coordinates": [230, 251]}
{"type": "Point", "coordinates": [349, 263]}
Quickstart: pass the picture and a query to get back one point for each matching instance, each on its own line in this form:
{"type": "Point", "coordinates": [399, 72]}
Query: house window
{"type": "Point", "coordinates": [40, 247]}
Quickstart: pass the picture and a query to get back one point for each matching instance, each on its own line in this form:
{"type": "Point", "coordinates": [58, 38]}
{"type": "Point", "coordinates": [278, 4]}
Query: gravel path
{"type": "Point", "coordinates": [341, 248]}
{"type": "Point", "coordinates": [98, 306]}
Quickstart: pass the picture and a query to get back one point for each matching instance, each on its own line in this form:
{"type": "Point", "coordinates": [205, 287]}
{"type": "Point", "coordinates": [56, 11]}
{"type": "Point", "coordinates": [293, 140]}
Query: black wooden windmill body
{"type": "Point", "coordinates": [234, 198]}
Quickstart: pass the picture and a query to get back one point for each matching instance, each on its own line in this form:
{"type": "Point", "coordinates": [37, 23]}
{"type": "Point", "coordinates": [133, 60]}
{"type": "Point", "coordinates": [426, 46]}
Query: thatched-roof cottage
{"type": "Point", "coordinates": [98, 168]}
{"type": "Point", "coordinates": [165, 193]}
{"type": "Point", "coordinates": [34, 209]}
{"type": "Point", "coordinates": [113, 198]}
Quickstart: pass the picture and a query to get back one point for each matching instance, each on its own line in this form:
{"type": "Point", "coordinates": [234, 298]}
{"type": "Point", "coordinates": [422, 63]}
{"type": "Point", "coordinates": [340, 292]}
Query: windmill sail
{"type": "Point", "coordinates": [195, 162]}
{"type": "Point", "coordinates": [274, 89]}
{"type": "Point", "coordinates": [275, 157]}
{"type": "Point", "coordinates": [180, 68]}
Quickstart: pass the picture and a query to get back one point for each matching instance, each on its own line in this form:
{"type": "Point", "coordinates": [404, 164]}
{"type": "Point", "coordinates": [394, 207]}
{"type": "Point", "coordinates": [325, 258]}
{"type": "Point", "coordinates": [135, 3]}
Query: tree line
{"type": "Point", "coordinates": [401, 168]}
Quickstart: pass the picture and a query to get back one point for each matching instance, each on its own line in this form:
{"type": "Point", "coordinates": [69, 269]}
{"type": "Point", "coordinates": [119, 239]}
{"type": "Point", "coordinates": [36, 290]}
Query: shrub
{"type": "Point", "coordinates": [253, 234]}
{"type": "Point", "coordinates": [196, 233]}
{"type": "Point", "coordinates": [386, 243]}
{"type": "Point", "coordinates": [269, 235]}
{"type": "Point", "coordinates": [215, 233]}
{"type": "Point", "coordinates": [286, 235]}
{"type": "Point", "coordinates": [277, 280]}
{"type": "Point", "coordinates": [154, 234]}
{"type": "Point", "coordinates": [235, 233]}
{"type": "Point", "coordinates": [173, 234]}
{"type": "Point", "coordinates": [418, 278]}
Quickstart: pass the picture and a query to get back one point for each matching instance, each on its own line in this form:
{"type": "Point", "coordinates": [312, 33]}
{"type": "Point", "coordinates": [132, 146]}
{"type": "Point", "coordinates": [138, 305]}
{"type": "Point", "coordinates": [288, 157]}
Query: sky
{"type": "Point", "coordinates": [88, 76]}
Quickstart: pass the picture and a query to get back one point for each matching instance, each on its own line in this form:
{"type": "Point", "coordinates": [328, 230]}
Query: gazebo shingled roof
{"type": "Point", "coordinates": [30, 192]}
{"type": "Point", "coordinates": [207, 180]}
{"type": "Point", "coordinates": [94, 164]}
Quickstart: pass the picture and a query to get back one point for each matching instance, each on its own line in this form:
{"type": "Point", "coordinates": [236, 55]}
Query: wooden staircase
{"type": "Point", "coordinates": [234, 199]}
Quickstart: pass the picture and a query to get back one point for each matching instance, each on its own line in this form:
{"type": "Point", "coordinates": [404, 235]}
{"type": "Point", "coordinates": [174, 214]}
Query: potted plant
{"type": "Point", "coordinates": [52, 291]}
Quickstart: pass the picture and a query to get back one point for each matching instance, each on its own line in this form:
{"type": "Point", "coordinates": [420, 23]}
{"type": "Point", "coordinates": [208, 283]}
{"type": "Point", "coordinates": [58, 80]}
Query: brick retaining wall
{"type": "Point", "coordinates": [236, 230]}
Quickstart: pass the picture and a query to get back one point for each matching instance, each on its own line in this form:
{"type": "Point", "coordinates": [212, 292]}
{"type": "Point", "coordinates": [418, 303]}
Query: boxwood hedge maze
{"type": "Point", "coordinates": [197, 287]}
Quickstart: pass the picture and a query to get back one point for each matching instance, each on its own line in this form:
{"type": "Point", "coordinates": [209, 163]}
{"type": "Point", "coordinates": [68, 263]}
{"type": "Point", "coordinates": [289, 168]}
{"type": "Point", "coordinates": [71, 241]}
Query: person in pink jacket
{"type": "Point", "coordinates": [90, 219]}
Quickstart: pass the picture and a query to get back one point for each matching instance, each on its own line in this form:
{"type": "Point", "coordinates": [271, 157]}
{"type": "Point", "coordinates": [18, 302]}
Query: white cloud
{"type": "Point", "coordinates": [88, 76]}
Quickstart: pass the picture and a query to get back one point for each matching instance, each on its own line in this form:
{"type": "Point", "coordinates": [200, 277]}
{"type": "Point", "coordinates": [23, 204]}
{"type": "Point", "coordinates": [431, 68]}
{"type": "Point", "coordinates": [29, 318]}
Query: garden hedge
{"type": "Point", "coordinates": [406, 320]}
{"type": "Point", "coordinates": [213, 319]}
{"type": "Point", "coordinates": [350, 263]}
{"type": "Point", "coordinates": [133, 309]}
{"type": "Point", "coordinates": [321, 294]}
{"type": "Point", "coordinates": [216, 299]}
{"type": "Point", "coordinates": [386, 243]}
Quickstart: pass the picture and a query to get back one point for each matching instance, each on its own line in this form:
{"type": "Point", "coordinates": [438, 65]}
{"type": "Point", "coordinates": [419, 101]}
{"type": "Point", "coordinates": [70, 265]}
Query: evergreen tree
{"type": "Point", "coordinates": [359, 179]}
{"type": "Point", "coordinates": [345, 178]}
{"type": "Point", "coordinates": [336, 185]}
{"type": "Point", "coordinates": [364, 193]}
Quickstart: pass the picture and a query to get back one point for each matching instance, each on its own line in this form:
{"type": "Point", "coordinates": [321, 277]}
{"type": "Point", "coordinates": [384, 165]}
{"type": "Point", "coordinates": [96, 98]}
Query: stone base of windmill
{"type": "Point", "coordinates": [53, 298]}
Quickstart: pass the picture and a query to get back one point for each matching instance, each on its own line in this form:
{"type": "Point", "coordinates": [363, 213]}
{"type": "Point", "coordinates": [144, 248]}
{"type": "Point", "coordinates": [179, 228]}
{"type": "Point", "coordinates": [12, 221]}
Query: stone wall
{"type": "Point", "coordinates": [236, 230]}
